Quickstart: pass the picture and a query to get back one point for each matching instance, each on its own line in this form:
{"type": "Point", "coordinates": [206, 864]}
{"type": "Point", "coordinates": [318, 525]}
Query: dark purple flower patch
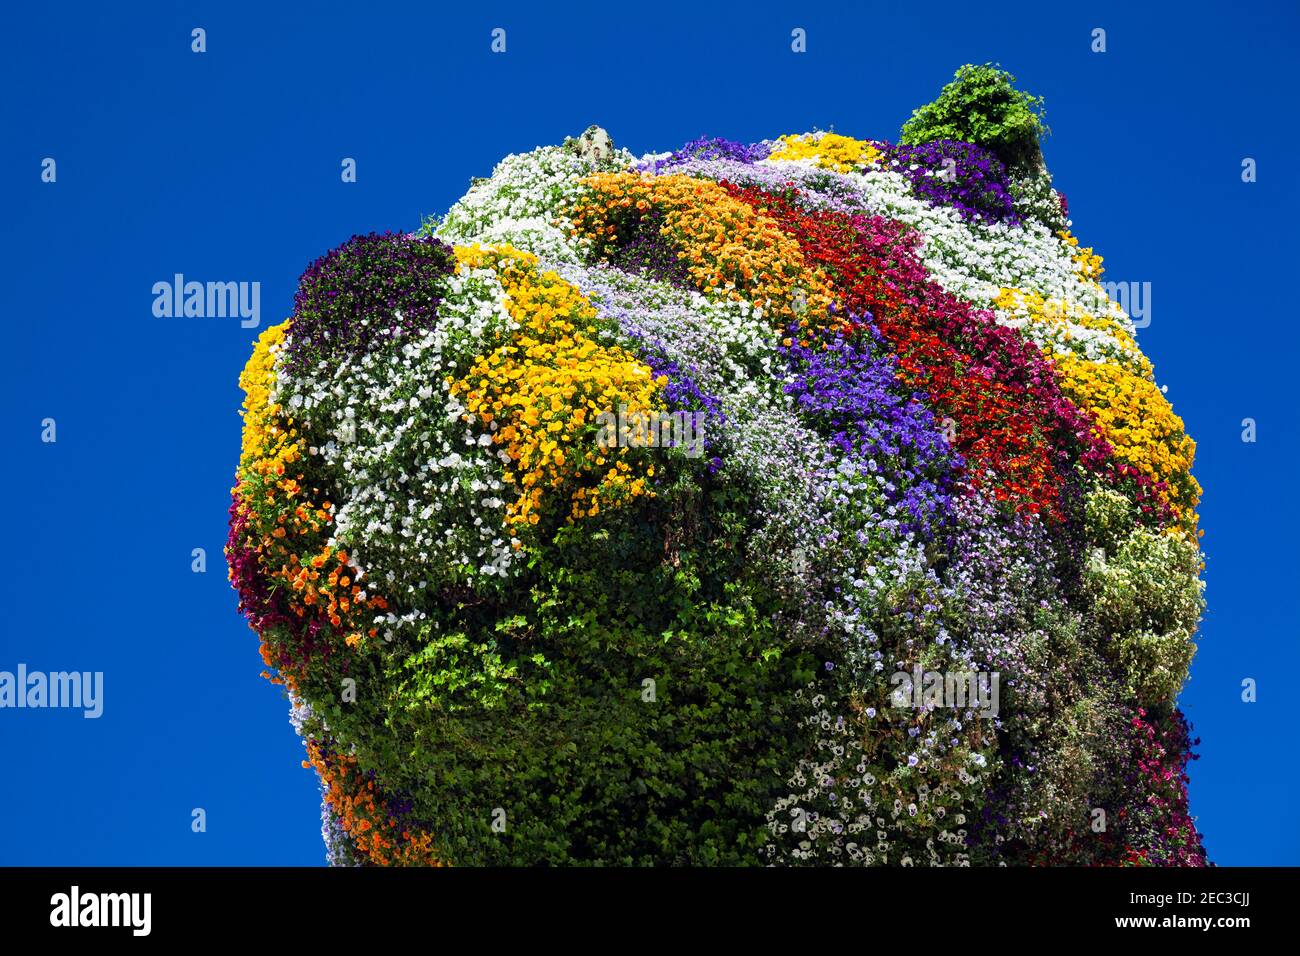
{"type": "Point", "coordinates": [365, 292]}
{"type": "Point", "coordinates": [959, 175]}
{"type": "Point", "coordinates": [646, 252]}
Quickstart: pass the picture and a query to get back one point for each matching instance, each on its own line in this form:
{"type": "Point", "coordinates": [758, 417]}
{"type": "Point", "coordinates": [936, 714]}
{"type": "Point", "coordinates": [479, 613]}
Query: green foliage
{"type": "Point", "coordinates": [1109, 519]}
{"type": "Point", "coordinates": [982, 106]}
{"type": "Point", "coordinates": [1033, 198]}
{"type": "Point", "coordinates": [1146, 594]}
{"type": "Point", "coordinates": [539, 704]}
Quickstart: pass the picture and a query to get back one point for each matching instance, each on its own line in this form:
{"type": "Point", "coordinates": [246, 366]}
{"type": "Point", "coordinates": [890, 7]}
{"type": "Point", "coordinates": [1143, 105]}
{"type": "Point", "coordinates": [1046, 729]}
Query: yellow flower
{"type": "Point", "coordinates": [266, 439]}
{"type": "Point", "coordinates": [1135, 417]}
{"type": "Point", "coordinates": [550, 384]}
{"type": "Point", "coordinates": [831, 150]}
{"type": "Point", "coordinates": [1087, 261]}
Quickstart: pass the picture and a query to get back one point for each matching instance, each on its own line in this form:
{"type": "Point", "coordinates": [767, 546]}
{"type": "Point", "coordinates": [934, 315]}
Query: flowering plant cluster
{"type": "Point", "coordinates": [842, 153]}
{"type": "Point", "coordinates": [921, 589]}
{"type": "Point", "coordinates": [961, 175]}
{"type": "Point", "coordinates": [706, 148]}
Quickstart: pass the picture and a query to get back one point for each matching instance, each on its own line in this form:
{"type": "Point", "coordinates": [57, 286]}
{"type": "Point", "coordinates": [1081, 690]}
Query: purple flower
{"type": "Point", "coordinates": [707, 148]}
{"type": "Point", "coordinates": [959, 175]}
{"type": "Point", "coordinates": [682, 393]}
{"type": "Point", "coordinates": [848, 390]}
{"type": "Point", "coordinates": [367, 291]}
{"type": "Point", "coordinates": [646, 252]}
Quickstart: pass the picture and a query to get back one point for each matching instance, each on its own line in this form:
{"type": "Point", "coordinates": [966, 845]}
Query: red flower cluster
{"type": "Point", "coordinates": [1001, 394]}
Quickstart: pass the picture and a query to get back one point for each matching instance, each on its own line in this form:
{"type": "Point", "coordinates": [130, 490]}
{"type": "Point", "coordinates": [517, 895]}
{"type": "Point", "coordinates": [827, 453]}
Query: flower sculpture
{"type": "Point", "coordinates": [798, 502]}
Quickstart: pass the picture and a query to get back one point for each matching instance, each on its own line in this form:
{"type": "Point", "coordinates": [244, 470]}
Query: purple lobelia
{"type": "Point", "coordinates": [708, 148]}
{"type": "Point", "coordinates": [848, 389]}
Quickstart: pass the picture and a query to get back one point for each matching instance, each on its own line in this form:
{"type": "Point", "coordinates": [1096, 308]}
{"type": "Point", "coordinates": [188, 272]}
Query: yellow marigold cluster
{"type": "Point", "coordinates": [1135, 417]}
{"type": "Point", "coordinates": [268, 445]}
{"type": "Point", "coordinates": [1089, 262]}
{"type": "Point", "coordinates": [730, 249]}
{"type": "Point", "coordinates": [545, 389]}
{"type": "Point", "coordinates": [831, 150]}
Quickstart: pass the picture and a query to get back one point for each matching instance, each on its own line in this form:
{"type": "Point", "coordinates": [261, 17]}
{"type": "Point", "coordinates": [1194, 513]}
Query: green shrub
{"type": "Point", "coordinates": [981, 106]}
{"type": "Point", "coordinates": [1146, 594]}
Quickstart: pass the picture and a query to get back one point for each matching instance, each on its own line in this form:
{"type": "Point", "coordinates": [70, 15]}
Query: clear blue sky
{"type": "Point", "coordinates": [225, 166]}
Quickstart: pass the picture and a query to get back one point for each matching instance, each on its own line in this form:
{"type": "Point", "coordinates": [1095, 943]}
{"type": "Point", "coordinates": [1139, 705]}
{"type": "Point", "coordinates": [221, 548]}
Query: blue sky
{"type": "Point", "coordinates": [225, 166]}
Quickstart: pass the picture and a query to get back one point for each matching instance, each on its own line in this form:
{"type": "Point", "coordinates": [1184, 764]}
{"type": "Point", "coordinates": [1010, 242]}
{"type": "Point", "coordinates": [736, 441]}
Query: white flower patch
{"type": "Point", "coordinates": [728, 343]}
{"type": "Point", "coordinates": [536, 235]}
{"type": "Point", "coordinates": [521, 203]}
{"type": "Point", "coordinates": [975, 259]}
{"type": "Point", "coordinates": [421, 503]}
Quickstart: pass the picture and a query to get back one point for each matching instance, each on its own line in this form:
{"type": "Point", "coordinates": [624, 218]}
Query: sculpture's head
{"type": "Point", "coordinates": [799, 501]}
